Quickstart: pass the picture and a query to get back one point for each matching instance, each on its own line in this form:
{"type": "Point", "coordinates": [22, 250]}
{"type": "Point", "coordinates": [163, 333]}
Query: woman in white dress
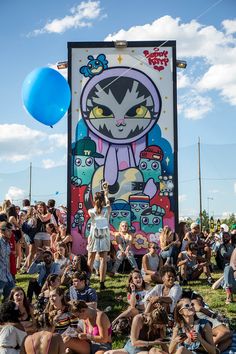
{"type": "Point", "coordinates": [99, 238]}
{"type": "Point", "coordinates": [12, 332]}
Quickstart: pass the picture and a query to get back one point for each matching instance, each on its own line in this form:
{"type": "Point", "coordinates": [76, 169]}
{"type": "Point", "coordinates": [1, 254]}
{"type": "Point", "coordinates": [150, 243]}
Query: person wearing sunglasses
{"type": "Point", "coordinates": [151, 264]}
{"type": "Point", "coordinates": [190, 334]}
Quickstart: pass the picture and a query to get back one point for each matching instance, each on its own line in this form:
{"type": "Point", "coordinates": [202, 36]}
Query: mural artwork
{"type": "Point", "coordinates": [122, 131]}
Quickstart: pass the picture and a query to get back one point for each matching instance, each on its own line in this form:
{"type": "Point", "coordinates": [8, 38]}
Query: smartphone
{"type": "Point", "coordinates": [183, 336]}
{"type": "Point", "coordinates": [165, 340]}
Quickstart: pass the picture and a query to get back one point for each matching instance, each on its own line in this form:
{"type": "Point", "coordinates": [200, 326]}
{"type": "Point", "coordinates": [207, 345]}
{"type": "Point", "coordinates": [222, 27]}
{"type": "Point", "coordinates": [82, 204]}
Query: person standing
{"type": "Point", "coordinates": [6, 280]}
{"type": "Point", "coordinates": [99, 239]}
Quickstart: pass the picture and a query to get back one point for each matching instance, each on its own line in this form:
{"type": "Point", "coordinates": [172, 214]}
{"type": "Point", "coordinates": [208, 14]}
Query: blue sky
{"type": "Point", "coordinates": [35, 34]}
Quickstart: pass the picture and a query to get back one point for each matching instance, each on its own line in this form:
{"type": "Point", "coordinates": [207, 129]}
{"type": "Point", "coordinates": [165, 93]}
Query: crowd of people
{"type": "Point", "coordinates": [60, 313]}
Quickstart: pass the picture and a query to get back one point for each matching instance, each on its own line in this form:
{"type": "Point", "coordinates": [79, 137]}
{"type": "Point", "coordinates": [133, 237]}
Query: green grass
{"type": "Point", "coordinates": [115, 296]}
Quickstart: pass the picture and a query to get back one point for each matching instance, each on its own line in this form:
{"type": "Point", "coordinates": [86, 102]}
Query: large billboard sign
{"type": "Point", "coordinates": [122, 129]}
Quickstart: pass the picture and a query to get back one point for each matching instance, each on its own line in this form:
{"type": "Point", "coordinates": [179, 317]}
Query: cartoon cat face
{"type": "Point", "coordinates": [151, 223]}
{"type": "Point", "coordinates": [137, 208]}
{"type": "Point", "coordinates": [84, 167]}
{"type": "Point", "coordinates": [150, 169]}
{"type": "Point", "coordinates": [118, 107]}
{"type": "Point", "coordinates": [120, 215]}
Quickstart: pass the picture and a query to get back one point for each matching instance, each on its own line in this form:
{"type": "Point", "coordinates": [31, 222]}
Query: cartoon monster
{"type": "Point", "coordinates": [150, 163]}
{"type": "Point", "coordinates": [84, 154]}
{"type": "Point", "coordinates": [95, 66]}
{"type": "Point", "coordinates": [87, 228]}
{"type": "Point", "coordinates": [138, 203]}
{"type": "Point", "coordinates": [120, 211]}
{"type": "Point", "coordinates": [152, 219]}
{"type": "Point", "coordinates": [120, 106]}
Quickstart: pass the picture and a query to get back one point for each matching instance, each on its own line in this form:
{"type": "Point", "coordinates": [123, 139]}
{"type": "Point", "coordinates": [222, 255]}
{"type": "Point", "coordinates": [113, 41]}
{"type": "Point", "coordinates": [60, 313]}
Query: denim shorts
{"type": "Point", "coordinates": [95, 347]}
{"type": "Point", "coordinates": [134, 350]}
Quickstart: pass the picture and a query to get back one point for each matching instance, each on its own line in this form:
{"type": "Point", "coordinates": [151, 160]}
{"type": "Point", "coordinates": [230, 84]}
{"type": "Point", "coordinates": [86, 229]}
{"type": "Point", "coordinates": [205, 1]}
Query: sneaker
{"type": "Point", "coordinates": [102, 286]}
{"type": "Point", "coordinates": [210, 281]}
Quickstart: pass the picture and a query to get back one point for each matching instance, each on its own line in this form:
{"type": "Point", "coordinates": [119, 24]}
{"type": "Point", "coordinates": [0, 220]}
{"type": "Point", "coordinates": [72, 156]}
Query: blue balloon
{"type": "Point", "coordinates": [46, 95]}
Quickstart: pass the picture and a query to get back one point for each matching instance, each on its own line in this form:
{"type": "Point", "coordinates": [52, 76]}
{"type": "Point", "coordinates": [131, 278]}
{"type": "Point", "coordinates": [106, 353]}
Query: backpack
{"type": "Point", "coordinates": [122, 326]}
{"type": "Point", "coordinates": [220, 261]}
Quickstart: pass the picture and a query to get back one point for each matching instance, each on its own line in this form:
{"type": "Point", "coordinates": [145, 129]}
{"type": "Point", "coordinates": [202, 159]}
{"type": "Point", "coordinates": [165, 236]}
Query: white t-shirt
{"type": "Point", "coordinates": [175, 294]}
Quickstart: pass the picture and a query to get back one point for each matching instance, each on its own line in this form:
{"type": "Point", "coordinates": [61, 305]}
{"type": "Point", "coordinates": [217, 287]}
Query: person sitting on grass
{"type": "Point", "coordinates": [229, 278]}
{"type": "Point", "coordinates": [96, 329]}
{"type": "Point", "coordinates": [26, 309]}
{"type": "Point", "coordinates": [167, 293]}
{"type": "Point", "coordinates": [43, 265]}
{"type": "Point", "coordinates": [12, 332]}
{"type": "Point", "coordinates": [147, 331]}
{"type": "Point", "coordinates": [79, 263]}
{"type": "Point", "coordinates": [136, 294]}
{"type": "Point", "coordinates": [190, 334]}
{"type": "Point", "coordinates": [222, 335]}
{"type": "Point", "coordinates": [191, 266]}
{"type": "Point", "coordinates": [81, 291]}
{"type": "Point", "coordinates": [52, 282]}
{"type": "Point", "coordinates": [124, 241]}
{"type": "Point", "coordinates": [151, 264]}
{"type": "Point", "coordinates": [44, 340]}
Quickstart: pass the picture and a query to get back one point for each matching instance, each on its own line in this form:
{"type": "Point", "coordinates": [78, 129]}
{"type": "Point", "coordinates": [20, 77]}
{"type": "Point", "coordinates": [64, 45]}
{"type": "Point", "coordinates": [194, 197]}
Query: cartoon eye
{"type": "Point", "coordinates": [156, 221]}
{"type": "Point", "coordinates": [78, 161]}
{"type": "Point", "coordinates": [155, 165]}
{"type": "Point", "coordinates": [143, 165]}
{"type": "Point", "coordinates": [145, 220]}
{"type": "Point", "coordinates": [88, 227]}
{"type": "Point", "coordinates": [143, 206]}
{"type": "Point", "coordinates": [133, 206]}
{"type": "Point", "coordinates": [124, 213]}
{"type": "Point", "coordinates": [138, 111]}
{"type": "Point", "coordinates": [101, 112]}
{"type": "Point", "coordinates": [89, 66]}
{"type": "Point", "coordinates": [97, 62]}
{"type": "Point", "coordinates": [89, 161]}
{"type": "Point", "coordinates": [114, 214]}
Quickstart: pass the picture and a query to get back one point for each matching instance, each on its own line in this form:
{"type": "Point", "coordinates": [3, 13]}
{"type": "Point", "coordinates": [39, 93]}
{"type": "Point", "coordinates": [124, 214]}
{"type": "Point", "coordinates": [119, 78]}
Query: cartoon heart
{"type": "Point", "coordinates": [159, 68]}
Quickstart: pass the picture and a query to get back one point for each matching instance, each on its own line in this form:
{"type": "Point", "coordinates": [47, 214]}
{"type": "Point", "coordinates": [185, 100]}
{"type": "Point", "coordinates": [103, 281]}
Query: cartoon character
{"type": "Point", "coordinates": [152, 219]}
{"type": "Point", "coordinates": [78, 220]}
{"type": "Point", "coordinates": [166, 186]}
{"type": "Point", "coordinates": [84, 154]}
{"type": "Point", "coordinates": [150, 163]}
{"type": "Point", "coordinates": [87, 228]}
{"type": "Point", "coordinates": [138, 203]}
{"type": "Point", "coordinates": [120, 106]}
{"type": "Point", "coordinates": [120, 211]}
{"type": "Point", "coordinates": [95, 66]}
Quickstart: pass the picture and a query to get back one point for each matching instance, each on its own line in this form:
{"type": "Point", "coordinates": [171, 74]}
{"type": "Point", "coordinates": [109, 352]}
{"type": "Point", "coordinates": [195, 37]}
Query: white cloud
{"type": "Point", "coordinates": [18, 142]}
{"type": "Point", "coordinates": [214, 49]}
{"type": "Point", "coordinates": [193, 105]}
{"type": "Point", "coordinates": [49, 163]}
{"type": "Point", "coordinates": [15, 193]}
{"type": "Point", "coordinates": [182, 197]}
{"type": "Point", "coordinates": [81, 15]}
{"type": "Point", "coordinates": [229, 26]}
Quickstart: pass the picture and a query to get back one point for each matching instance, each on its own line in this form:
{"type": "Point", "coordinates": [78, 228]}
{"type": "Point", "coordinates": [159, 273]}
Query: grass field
{"type": "Point", "coordinates": [115, 296]}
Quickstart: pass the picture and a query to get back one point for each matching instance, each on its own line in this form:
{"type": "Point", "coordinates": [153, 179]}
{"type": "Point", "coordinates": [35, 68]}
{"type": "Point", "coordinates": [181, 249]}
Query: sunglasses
{"type": "Point", "coordinates": [187, 306]}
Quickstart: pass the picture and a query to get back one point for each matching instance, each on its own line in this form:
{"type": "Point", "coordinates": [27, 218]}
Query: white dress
{"type": "Point", "coordinates": [10, 336]}
{"type": "Point", "coordinates": [99, 238]}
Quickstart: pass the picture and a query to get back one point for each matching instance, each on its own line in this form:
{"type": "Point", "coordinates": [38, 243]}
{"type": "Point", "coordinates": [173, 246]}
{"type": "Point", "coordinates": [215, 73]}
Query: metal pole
{"type": "Point", "coordinates": [200, 183]}
{"type": "Point", "coordinates": [30, 182]}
